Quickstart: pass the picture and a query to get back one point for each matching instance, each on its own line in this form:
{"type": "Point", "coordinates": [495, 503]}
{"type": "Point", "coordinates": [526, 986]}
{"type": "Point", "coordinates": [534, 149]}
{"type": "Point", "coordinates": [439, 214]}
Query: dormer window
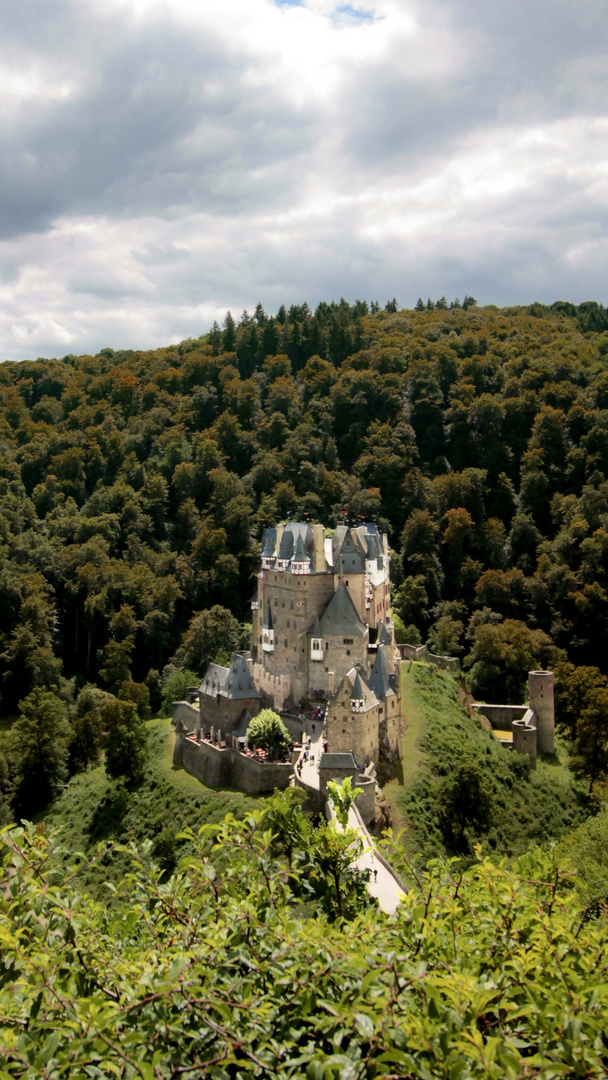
{"type": "Point", "coordinates": [316, 649]}
{"type": "Point", "coordinates": [282, 564]}
{"type": "Point", "coordinates": [268, 641]}
{"type": "Point", "coordinates": [356, 704]}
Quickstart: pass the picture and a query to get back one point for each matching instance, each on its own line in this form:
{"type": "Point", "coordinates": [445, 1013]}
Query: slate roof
{"type": "Point", "coordinates": [340, 617]}
{"type": "Point", "coordinates": [239, 683]}
{"type": "Point", "coordinates": [267, 625]}
{"type": "Point", "coordinates": [350, 560]}
{"type": "Point", "coordinates": [315, 630]}
{"type": "Point", "coordinates": [269, 543]}
{"type": "Point", "coordinates": [384, 637]}
{"type": "Point", "coordinates": [380, 678]}
{"type": "Point", "coordinates": [360, 690]}
{"type": "Point", "coordinates": [286, 545]}
{"type": "Point", "coordinates": [213, 680]}
{"type": "Point", "coordinates": [357, 692]}
{"type": "Point", "coordinates": [300, 554]}
{"type": "Point", "coordinates": [337, 761]}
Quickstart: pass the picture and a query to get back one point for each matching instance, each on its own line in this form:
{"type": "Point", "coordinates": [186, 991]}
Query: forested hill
{"type": "Point", "coordinates": [135, 485]}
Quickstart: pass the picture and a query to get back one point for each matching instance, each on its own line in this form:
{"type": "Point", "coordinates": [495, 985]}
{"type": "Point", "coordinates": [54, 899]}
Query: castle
{"type": "Point", "coordinates": [529, 729]}
{"type": "Point", "coordinates": [321, 633]}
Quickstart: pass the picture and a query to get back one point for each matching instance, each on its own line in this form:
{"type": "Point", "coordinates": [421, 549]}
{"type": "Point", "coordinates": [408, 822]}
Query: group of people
{"type": "Point", "coordinates": [307, 754]}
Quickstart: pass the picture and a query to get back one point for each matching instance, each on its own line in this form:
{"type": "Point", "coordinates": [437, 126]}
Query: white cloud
{"type": "Point", "coordinates": [166, 159]}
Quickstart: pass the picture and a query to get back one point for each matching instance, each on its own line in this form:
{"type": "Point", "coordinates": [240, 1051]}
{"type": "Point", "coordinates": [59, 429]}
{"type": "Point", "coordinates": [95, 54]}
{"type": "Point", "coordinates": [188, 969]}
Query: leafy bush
{"type": "Point", "coordinates": [492, 974]}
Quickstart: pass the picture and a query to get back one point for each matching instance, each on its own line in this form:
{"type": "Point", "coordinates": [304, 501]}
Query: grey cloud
{"type": "Point", "coordinates": [527, 61]}
{"type": "Point", "coordinates": [143, 134]}
{"type": "Point", "coordinates": [184, 164]}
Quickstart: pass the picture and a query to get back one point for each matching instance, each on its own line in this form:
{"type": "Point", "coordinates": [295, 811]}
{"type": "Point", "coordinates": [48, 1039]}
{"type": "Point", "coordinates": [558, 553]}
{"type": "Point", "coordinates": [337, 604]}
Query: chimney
{"type": "Point", "coordinates": [330, 683]}
{"type": "Point", "coordinates": [319, 563]}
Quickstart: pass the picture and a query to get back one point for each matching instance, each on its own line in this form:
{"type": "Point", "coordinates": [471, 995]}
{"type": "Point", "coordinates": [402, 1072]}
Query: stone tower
{"type": "Point", "coordinates": [540, 689]}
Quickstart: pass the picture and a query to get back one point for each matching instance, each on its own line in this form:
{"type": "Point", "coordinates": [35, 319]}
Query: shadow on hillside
{"type": "Point", "coordinates": [109, 813]}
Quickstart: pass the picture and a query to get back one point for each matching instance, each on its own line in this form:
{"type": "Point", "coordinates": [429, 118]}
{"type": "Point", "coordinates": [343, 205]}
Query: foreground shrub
{"type": "Point", "coordinates": [497, 973]}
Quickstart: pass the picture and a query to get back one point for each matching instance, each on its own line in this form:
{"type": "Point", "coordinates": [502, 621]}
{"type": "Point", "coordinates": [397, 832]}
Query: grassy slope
{"type": "Point", "coordinates": [528, 808]}
{"type": "Point", "coordinates": [92, 809]}
{"type": "Point", "coordinates": [407, 768]}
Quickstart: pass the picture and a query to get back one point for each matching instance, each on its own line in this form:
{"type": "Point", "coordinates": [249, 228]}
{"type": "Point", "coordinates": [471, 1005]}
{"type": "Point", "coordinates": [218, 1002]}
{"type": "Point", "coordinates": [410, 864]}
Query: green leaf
{"type": "Point", "coordinates": [364, 1025]}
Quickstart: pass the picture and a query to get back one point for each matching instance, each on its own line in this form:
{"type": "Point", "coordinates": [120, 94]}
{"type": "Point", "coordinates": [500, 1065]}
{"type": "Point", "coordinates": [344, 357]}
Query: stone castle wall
{"type": "Point", "coordinates": [229, 767]}
{"type": "Point", "coordinates": [276, 687]}
{"type": "Point", "coordinates": [340, 655]}
{"type": "Point", "coordinates": [220, 712]}
{"type": "Point", "coordinates": [295, 603]}
{"type": "Point", "coordinates": [350, 731]}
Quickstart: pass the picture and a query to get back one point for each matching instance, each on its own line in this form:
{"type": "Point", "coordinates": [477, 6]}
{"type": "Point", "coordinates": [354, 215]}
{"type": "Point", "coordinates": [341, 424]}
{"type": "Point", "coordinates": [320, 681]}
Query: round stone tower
{"type": "Point", "coordinates": [540, 689]}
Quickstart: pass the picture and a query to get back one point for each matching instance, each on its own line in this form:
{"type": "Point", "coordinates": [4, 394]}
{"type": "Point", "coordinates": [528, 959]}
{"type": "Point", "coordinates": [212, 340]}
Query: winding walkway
{"type": "Point", "coordinates": [385, 886]}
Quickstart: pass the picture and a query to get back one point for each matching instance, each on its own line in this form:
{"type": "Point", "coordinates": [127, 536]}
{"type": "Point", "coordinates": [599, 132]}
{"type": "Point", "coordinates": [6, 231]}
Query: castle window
{"type": "Point", "coordinates": [285, 642]}
{"type": "Point", "coordinates": [348, 652]}
{"type": "Point", "coordinates": [347, 641]}
{"type": "Point", "coordinates": [288, 624]}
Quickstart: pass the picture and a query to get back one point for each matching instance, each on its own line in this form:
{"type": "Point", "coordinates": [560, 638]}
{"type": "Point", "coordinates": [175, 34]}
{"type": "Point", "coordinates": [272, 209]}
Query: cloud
{"type": "Point", "coordinates": [164, 160]}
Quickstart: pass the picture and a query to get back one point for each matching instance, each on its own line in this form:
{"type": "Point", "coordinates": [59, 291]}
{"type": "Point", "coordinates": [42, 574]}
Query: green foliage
{"type": "Point", "coordinates": [523, 806]}
{"type": "Point", "coordinates": [491, 974]}
{"type": "Point", "coordinates": [590, 747]}
{"type": "Point", "coordinates": [38, 745]}
{"type": "Point", "coordinates": [268, 731]}
{"type": "Point", "coordinates": [211, 635]}
{"type": "Point", "coordinates": [586, 849]}
{"type": "Point", "coordinates": [175, 687]}
{"type": "Point", "coordinates": [342, 796]}
{"type": "Point", "coordinates": [465, 799]}
{"type": "Point", "coordinates": [125, 744]}
{"type": "Point", "coordinates": [502, 655]}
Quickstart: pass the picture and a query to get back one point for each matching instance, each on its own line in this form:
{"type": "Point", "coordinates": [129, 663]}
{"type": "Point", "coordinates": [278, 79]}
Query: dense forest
{"type": "Point", "coordinates": [140, 943]}
{"type": "Point", "coordinates": [135, 486]}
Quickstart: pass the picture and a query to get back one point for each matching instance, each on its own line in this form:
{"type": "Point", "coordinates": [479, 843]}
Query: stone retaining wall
{"type": "Point", "coordinates": [422, 655]}
{"type": "Point", "coordinates": [228, 767]}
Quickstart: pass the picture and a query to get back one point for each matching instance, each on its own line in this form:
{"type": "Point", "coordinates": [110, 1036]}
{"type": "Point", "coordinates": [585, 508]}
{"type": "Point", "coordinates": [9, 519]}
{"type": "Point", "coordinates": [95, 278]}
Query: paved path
{"type": "Point", "coordinates": [384, 886]}
{"type": "Point", "coordinates": [310, 768]}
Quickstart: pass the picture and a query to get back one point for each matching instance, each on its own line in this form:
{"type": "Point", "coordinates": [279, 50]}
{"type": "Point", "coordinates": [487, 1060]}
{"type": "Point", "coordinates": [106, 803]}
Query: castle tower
{"type": "Point", "coordinates": [540, 689]}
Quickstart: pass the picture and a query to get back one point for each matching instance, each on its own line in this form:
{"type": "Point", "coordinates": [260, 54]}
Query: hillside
{"type": "Point", "coordinates": [141, 480]}
{"type": "Point", "coordinates": [135, 487]}
{"type": "Point", "coordinates": [93, 810]}
{"type": "Point", "coordinates": [526, 807]}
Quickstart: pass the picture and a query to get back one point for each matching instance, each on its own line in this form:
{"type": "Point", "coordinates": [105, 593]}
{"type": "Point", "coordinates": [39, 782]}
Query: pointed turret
{"type": "Point", "coordinates": [380, 678]}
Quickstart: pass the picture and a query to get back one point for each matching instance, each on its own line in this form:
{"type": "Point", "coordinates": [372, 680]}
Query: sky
{"type": "Point", "coordinates": [163, 161]}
